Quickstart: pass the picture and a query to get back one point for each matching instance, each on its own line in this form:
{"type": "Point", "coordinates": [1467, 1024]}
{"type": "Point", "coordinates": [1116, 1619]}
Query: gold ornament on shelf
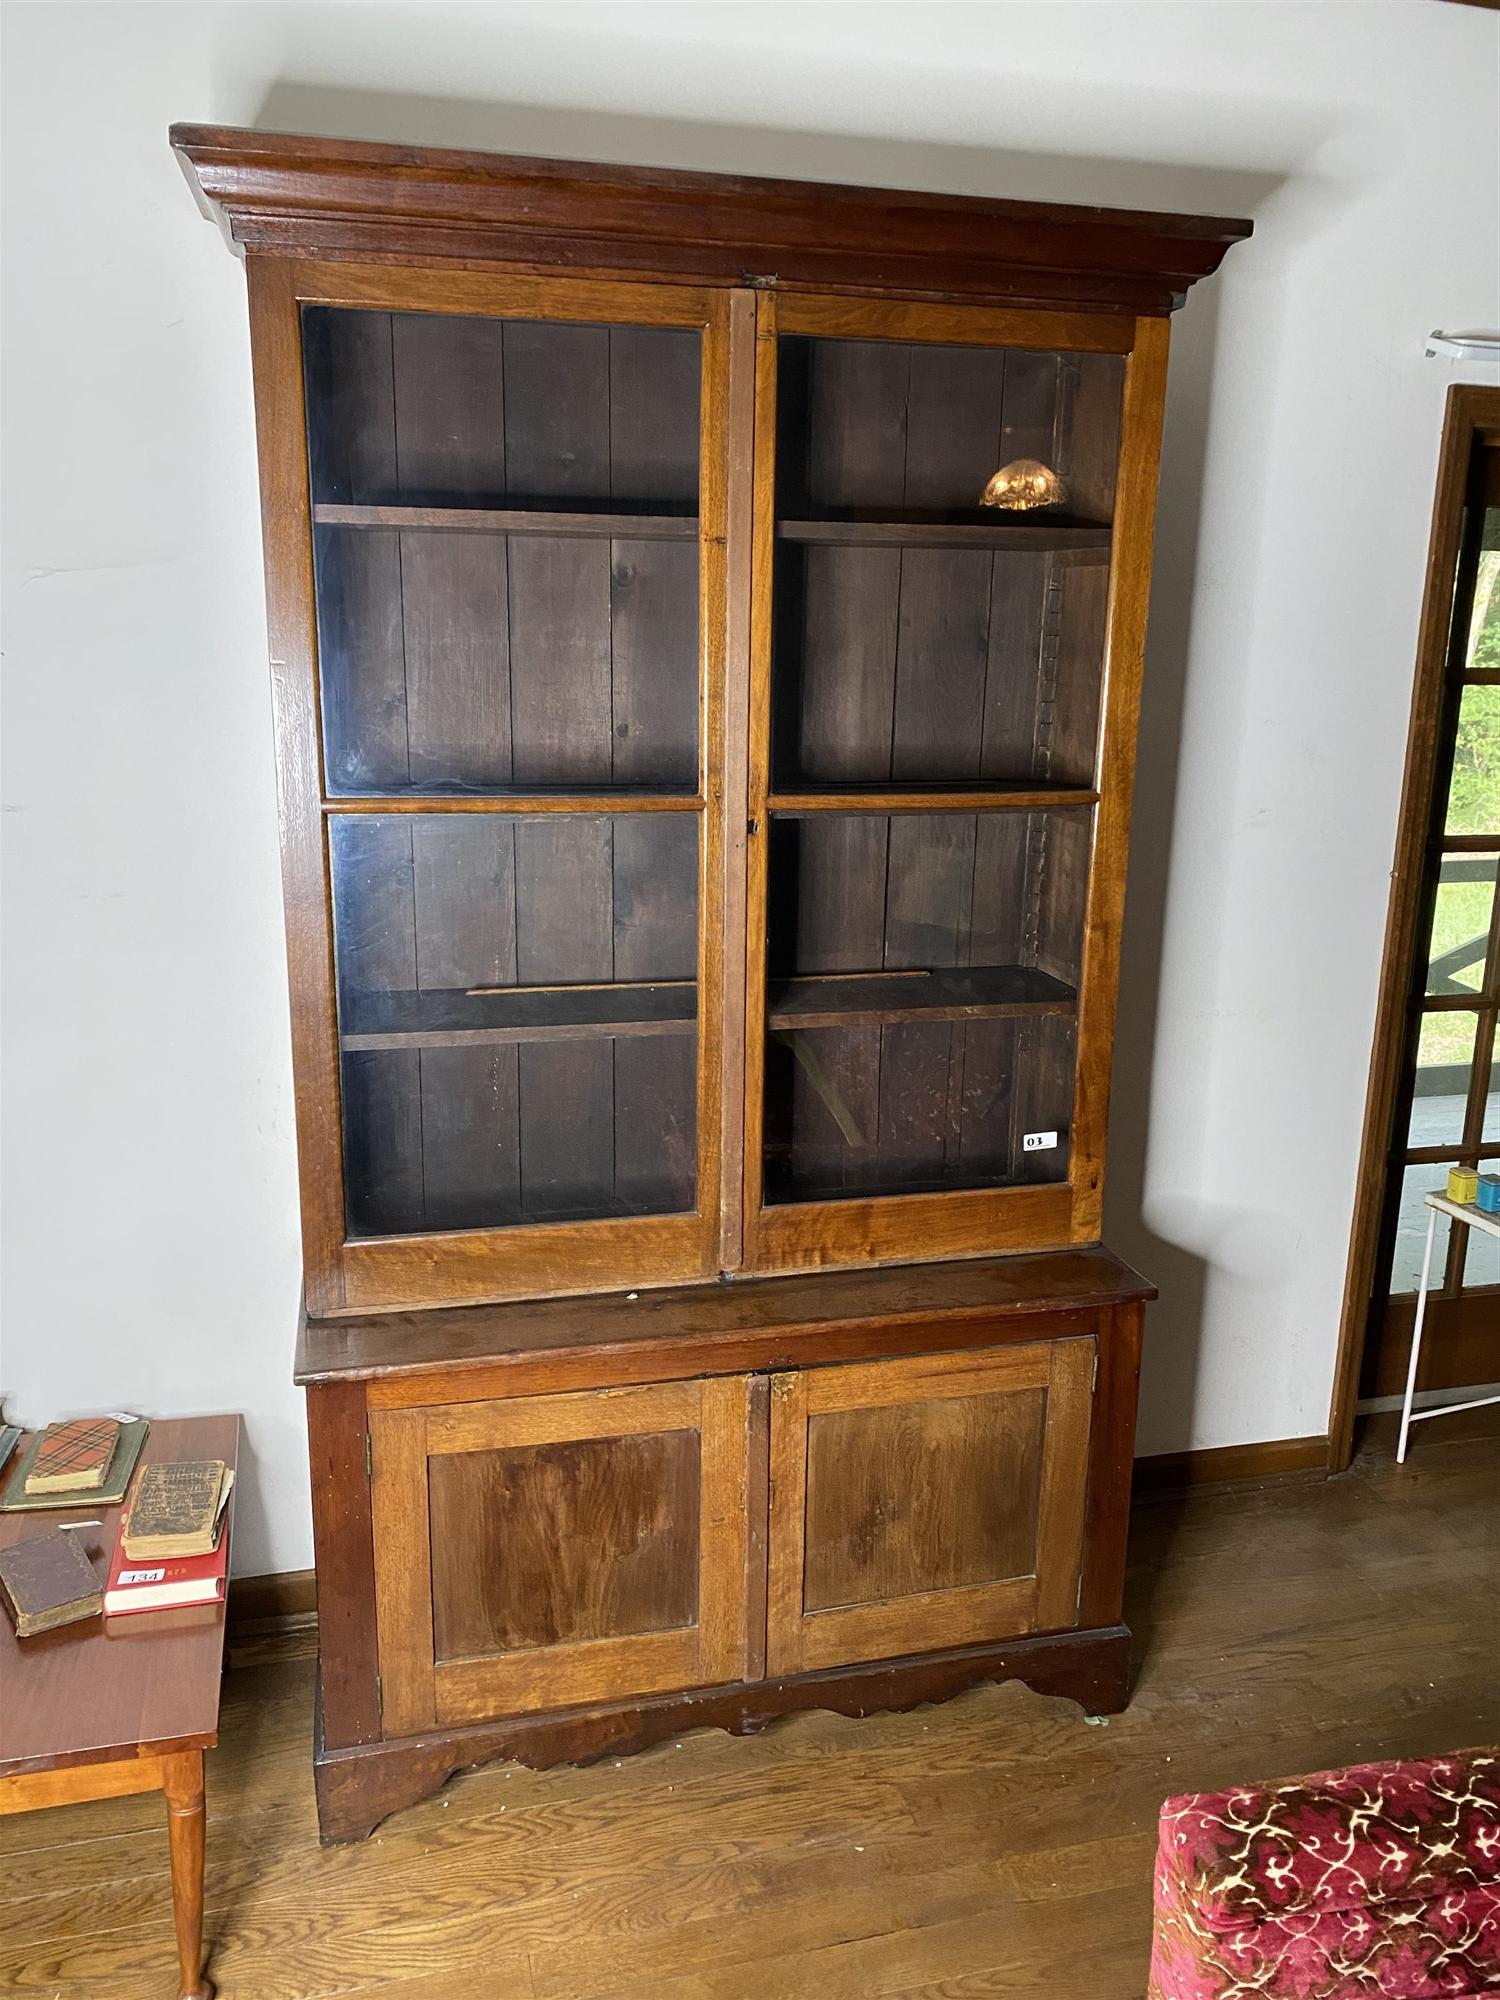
{"type": "Point", "coordinates": [1022, 485]}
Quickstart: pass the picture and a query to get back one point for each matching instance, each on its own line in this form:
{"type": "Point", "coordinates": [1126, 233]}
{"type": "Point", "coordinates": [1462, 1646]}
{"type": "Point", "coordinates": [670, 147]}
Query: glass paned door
{"type": "Point", "coordinates": [1448, 1116]}
{"type": "Point", "coordinates": [511, 676]}
{"type": "Point", "coordinates": [939, 562]}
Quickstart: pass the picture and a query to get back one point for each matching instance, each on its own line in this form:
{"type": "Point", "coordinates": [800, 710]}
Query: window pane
{"type": "Point", "coordinates": [1445, 1061]}
{"type": "Point", "coordinates": [1492, 1106]}
{"type": "Point", "coordinates": [1461, 923]}
{"type": "Point", "coordinates": [1474, 796]}
{"type": "Point", "coordinates": [1481, 1261]}
{"type": "Point", "coordinates": [517, 1011]}
{"type": "Point", "coordinates": [1484, 625]}
{"type": "Point", "coordinates": [1411, 1231]}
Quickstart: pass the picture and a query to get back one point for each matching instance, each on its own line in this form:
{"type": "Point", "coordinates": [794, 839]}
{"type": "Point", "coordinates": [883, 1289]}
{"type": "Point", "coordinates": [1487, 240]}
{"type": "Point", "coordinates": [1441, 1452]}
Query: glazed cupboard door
{"type": "Point", "coordinates": [954, 512]}
{"type": "Point", "coordinates": [549, 1551]}
{"type": "Point", "coordinates": [920, 1505]}
{"type": "Point", "coordinates": [495, 528]}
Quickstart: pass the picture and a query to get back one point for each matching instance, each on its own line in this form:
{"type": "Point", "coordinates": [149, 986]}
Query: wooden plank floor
{"type": "Point", "coordinates": [998, 1845]}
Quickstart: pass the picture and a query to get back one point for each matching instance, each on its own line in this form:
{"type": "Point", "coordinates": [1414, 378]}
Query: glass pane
{"type": "Point", "coordinates": [506, 551]}
{"type": "Point", "coordinates": [1411, 1231]}
{"type": "Point", "coordinates": [1474, 796]}
{"type": "Point", "coordinates": [517, 1008]}
{"type": "Point", "coordinates": [1445, 1060]}
{"type": "Point", "coordinates": [1481, 1261]}
{"type": "Point", "coordinates": [921, 636]}
{"type": "Point", "coordinates": [1484, 620]}
{"type": "Point", "coordinates": [1461, 923]}
{"type": "Point", "coordinates": [1492, 1105]}
{"type": "Point", "coordinates": [923, 973]}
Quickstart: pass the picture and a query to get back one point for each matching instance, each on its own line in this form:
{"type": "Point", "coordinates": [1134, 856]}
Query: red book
{"type": "Point", "coordinates": [167, 1584]}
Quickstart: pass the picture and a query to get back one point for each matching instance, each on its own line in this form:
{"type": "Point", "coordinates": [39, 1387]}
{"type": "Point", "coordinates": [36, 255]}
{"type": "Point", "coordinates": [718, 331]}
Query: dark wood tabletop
{"type": "Point", "coordinates": [114, 1687]}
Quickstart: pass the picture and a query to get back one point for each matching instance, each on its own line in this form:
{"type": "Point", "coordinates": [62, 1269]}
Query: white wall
{"type": "Point", "coordinates": [151, 1226]}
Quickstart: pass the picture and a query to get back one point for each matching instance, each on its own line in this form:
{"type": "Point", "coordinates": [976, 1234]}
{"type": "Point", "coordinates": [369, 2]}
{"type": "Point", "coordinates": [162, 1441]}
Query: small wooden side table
{"type": "Point", "coordinates": [1470, 1218]}
{"type": "Point", "coordinates": [121, 1705]}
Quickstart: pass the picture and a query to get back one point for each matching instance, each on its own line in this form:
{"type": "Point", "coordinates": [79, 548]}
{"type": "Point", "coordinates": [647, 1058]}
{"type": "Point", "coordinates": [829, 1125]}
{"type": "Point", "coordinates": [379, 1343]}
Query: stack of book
{"type": "Point", "coordinates": [172, 1549]}
{"type": "Point", "coordinates": [87, 1458]}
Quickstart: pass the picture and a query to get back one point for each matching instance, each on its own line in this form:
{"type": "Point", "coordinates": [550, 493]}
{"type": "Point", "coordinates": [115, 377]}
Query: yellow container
{"type": "Point", "coordinates": [1463, 1184]}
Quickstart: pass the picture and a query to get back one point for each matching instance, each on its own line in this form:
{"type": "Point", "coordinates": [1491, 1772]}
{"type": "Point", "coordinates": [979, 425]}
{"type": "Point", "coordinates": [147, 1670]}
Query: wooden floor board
{"type": "Point", "coordinates": [995, 1846]}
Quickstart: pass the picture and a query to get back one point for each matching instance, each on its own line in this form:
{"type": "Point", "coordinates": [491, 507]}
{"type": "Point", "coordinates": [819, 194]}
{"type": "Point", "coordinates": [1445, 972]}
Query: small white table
{"type": "Point", "coordinates": [1471, 1218]}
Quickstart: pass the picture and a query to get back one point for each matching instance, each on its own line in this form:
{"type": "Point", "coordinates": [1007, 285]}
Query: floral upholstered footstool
{"type": "Point", "coordinates": [1383, 1879]}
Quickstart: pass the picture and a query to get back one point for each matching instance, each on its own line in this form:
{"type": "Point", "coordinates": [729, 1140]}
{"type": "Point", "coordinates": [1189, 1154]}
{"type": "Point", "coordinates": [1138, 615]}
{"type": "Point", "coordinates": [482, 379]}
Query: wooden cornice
{"type": "Point", "coordinates": [336, 198]}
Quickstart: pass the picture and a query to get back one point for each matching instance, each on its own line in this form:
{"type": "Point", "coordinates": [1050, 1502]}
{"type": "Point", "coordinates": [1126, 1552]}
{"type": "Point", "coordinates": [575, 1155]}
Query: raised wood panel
{"type": "Point", "coordinates": [576, 1546]}
{"type": "Point", "coordinates": [926, 1503]}
{"type": "Point", "coordinates": [549, 1544]}
{"type": "Point", "coordinates": [968, 1469]}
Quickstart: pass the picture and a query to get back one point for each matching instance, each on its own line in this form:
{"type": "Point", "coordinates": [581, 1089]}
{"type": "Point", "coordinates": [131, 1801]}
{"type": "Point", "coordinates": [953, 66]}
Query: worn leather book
{"type": "Point", "coordinates": [73, 1457]}
{"type": "Point", "coordinates": [46, 1581]}
{"type": "Point", "coordinates": [176, 1509]}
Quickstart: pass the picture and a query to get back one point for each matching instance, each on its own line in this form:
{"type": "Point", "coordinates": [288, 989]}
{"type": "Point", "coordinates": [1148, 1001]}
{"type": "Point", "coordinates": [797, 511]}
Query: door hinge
{"type": "Point", "coordinates": [379, 1697]}
{"type": "Point", "coordinates": [1094, 1378]}
{"type": "Point", "coordinates": [369, 1455]}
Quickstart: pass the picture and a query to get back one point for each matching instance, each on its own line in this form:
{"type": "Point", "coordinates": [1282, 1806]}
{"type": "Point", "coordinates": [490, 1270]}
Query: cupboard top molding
{"type": "Point", "coordinates": [278, 194]}
{"type": "Point", "coordinates": [716, 1328]}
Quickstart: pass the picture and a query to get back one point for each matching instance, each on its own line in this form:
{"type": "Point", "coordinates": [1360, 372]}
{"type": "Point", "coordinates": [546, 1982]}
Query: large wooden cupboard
{"type": "Point", "coordinates": [706, 621]}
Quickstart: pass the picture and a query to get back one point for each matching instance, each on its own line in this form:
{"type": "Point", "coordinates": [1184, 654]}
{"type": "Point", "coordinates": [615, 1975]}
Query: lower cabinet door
{"type": "Point", "coordinates": [554, 1550]}
{"type": "Point", "coordinates": [929, 1503]}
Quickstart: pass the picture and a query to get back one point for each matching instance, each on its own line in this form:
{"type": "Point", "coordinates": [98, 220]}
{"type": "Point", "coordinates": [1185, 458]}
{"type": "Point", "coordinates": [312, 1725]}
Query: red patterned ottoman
{"type": "Point", "coordinates": [1382, 1880]}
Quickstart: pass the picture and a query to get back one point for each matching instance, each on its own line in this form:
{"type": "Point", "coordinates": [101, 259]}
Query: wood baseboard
{"type": "Point", "coordinates": [1272, 1459]}
{"type": "Point", "coordinates": [280, 1602]}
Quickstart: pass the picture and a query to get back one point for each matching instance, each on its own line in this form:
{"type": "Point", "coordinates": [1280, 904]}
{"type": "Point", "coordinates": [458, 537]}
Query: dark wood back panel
{"type": "Point", "coordinates": [454, 657]}
{"type": "Point", "coordinates": [910, 662]}
{"type": "Point", "coordinates": [434, 409]}
{"type": "Point", "coordinates": [868, 426]}
{"type": "Point", "coordinates": [859, 891]}
{"type": "Point", "coordinates": [861, 1105]}
{"type": "Point", "coordinates": [455, 1131]}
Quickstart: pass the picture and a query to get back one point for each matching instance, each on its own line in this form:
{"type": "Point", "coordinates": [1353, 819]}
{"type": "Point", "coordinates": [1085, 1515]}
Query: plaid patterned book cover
{"type": "Point", "coordinates": [73, 1457]}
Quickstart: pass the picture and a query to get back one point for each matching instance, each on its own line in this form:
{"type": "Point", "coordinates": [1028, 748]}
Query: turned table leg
{"type": "Point", "coordinates": [182, 1781]}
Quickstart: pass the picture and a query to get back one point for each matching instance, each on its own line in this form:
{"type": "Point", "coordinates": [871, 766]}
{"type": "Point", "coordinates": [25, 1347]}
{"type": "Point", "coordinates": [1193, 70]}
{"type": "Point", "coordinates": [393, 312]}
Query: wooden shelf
{"type": "Point", "coordinates": [978, 993]}
{"type": "Point", "coordinates": [895, 798]}
{"type": "Point", "coordinates": [455, 1018]}
{"type": "Point", "coordinates": [608, 801]}
{"type": "Point", "coordinates": [512, 521]}
{"type": "Point", "coordinates": [916, 531]}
